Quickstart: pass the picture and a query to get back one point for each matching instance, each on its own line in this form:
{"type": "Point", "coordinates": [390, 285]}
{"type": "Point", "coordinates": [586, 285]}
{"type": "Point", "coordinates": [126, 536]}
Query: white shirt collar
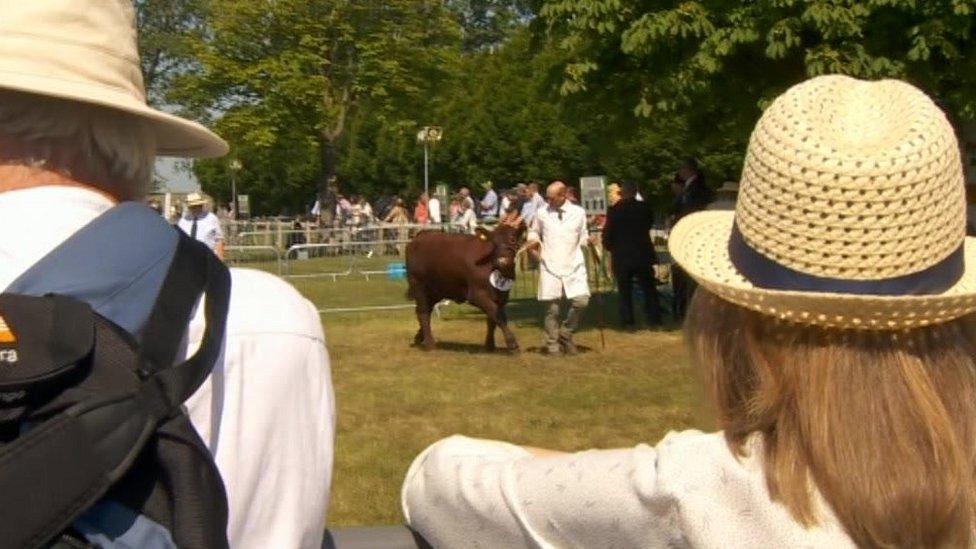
{"type": "Point", "coordinates": [34, 221]}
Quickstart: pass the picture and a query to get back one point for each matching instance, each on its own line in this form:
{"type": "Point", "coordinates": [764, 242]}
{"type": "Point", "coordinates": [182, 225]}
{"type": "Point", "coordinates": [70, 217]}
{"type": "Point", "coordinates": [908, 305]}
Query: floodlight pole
{"type": "Point", "coordinates": [235, 166]}
{"type": "Point", "coordinates": [426, 169]}
{"type": "Point", "coordinates": [428, 135]}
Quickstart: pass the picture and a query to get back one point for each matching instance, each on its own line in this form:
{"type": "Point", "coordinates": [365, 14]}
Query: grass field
{"type": "Point", "coordinates": [394, 399]}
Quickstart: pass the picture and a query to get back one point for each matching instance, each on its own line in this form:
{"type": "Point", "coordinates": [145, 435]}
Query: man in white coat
{"type": "Point", "coordinates": [557, 236]}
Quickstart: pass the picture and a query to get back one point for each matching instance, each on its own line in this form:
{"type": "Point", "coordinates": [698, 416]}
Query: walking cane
{"type": "Point", "coordinates": [599, 296]}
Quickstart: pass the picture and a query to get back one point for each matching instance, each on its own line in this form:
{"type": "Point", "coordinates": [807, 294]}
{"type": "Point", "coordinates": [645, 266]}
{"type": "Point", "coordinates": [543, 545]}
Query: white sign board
{"type": "Point", "coordinates": [244, 203]}
{"type": "Point", "coordinates": [593, 194]}
{"type": "Point", "coordinates": [441, 192]}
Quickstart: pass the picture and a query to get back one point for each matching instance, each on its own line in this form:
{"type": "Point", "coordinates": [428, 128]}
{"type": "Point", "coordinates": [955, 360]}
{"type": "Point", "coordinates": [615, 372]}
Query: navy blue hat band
{"type": "Point", "coordinates": [765, 273]}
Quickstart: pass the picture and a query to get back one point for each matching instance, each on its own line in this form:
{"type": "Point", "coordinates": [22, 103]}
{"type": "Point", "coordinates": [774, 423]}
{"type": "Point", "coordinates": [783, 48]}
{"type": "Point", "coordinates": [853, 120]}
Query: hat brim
{"type": "Point", "coordinates": [699, 243]}
{"type": "Point", "coordinates": [175, 136]}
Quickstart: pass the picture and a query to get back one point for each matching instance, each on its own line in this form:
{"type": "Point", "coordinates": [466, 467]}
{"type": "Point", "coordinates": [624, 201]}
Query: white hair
{"type": "Point", "coordinates": [78, 138]}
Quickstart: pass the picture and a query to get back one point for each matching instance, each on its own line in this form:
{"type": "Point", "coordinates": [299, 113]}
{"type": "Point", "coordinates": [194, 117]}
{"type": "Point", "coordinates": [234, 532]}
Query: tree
{"type": "Point", "coordinates": [284, 78]}
{"type": "Point", "coordinates": [485, 24]}
{"type": "Point", "coordinates": [165, 29]}
{"type": "Point", "coordinates": [724, 60]}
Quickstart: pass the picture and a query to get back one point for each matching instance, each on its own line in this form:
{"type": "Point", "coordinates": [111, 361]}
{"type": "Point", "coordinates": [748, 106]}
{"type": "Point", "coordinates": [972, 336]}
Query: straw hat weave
{"type": "Point", "coordinates": [851, 213]}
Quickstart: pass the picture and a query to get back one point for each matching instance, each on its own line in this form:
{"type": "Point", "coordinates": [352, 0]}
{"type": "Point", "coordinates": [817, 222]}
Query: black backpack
{"type": "Point", "coordinates": [88, 415]}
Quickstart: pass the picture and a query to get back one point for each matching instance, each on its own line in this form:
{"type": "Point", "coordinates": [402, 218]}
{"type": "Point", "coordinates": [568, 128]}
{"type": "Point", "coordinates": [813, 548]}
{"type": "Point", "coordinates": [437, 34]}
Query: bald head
{"type": "Point", "coordinates": [556, 194]}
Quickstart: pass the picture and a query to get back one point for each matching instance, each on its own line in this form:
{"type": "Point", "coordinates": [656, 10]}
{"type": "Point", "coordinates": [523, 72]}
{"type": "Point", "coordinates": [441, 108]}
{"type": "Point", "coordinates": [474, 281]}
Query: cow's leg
{"type": "Point", "coordinates": [510, 342]}
{"type": "Point", "coordinates": [425, 305]}
{"type": "Point", "coordinates": [496, 314]}
{"type": "Point", "coordinates": [490, 337]}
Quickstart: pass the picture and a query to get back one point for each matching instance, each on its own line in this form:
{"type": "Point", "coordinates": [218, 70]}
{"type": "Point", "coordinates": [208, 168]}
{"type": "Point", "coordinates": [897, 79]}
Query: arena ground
{"type": "Point", "coordinates": [394, 399]}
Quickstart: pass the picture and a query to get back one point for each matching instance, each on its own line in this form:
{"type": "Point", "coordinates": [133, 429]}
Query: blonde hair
{"type": "Point", "coordinates": [883, 424]}
{"type": "Point", "coordinates": [104, 147]}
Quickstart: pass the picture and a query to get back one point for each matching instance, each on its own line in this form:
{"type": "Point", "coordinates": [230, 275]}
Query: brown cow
{"type": "Point", "coordinates": [459, 267]}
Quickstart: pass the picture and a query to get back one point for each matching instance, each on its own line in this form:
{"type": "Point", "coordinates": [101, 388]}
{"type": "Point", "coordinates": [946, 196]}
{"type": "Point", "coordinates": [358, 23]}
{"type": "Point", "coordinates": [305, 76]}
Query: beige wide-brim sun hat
{"type": "Point", "coordinates": [851, 213]}
{"type": "Point", "coordinates": [85, 51]}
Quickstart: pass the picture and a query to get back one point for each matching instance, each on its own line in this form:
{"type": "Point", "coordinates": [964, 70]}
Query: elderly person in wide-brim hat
{"type": "Point", "coordinates": [834, 322]}
{"type": "Point", "coordinates": [77, 148]}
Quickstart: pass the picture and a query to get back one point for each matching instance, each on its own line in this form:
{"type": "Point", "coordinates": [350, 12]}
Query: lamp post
{"type": "Point", "coordinates": [235, 166]}
{"type": "Point", "coordinates": [428, 135]}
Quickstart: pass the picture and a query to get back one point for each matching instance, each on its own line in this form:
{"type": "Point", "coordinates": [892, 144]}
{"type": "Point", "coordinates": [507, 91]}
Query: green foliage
{"type": "Point", "coordinates": [686, 54]}
{"type": "Point", "coordinates": [283, 79]}
{"type": "Point", "coordinates": [165, 30]}
{"type": "Point", "coordinates": [524, 89]}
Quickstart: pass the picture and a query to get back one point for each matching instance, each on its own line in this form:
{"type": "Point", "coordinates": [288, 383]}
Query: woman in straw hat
{"type": "Point", "coordinates": [834, 327]}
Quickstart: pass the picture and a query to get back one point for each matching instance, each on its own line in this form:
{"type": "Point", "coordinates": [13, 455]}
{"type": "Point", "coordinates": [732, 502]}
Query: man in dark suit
{"type": "Point", "coordinates": [692, 195]}
{"type": "Point", "coordinates": [627, 237]}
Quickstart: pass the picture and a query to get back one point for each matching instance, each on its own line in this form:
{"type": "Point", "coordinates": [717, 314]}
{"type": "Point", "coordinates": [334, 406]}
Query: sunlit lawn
{"type": "Point", "coordinates": [394, 399]}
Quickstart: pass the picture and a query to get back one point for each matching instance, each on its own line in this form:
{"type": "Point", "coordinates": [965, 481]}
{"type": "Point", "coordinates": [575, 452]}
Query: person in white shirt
{"type": "Point", "coordinates": [201, 224]}
{"type": "Point", "coordinates": [434, 210]}
{"type": "Point", "coordinates": [466, 219]}
{"type": "Point", "coordinates": [556, 238]}
{"type": "Point", "coordinates": [79, 139]}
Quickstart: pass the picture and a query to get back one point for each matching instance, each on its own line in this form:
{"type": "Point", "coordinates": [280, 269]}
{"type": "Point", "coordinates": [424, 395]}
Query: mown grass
{"type": "Point", "coordinates": [394, 399]}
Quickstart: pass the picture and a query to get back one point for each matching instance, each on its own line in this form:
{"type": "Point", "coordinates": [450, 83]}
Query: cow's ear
{"type": "Point", "coordinates": [489, 248]}
{"type": "Point", "coordinates": [482, 234]}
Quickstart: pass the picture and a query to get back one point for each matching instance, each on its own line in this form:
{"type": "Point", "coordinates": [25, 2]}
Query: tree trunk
{"type": "Point", "coordinates": [327, 163]}
{"type": "Point", "coordinates": [326, 191]}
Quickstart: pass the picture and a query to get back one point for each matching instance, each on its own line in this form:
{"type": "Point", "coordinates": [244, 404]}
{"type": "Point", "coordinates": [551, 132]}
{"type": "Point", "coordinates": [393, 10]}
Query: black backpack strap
{"type": "Point", "coordinates": [168, 323]}
{"type": "Point", "coordinates": [184, 283]}
{"type": "Point", "coordinates": [50, 475]}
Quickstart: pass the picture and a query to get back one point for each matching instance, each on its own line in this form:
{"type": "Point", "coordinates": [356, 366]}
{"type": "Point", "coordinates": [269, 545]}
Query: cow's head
{"type": "Point", "coordinates": [504, 244]}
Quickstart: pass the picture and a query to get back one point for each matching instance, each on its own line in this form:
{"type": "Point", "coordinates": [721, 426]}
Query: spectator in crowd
{"type": "Point", "coordinates": [366, 211]}
{"type": "Point", "coordinates": [79, 144]}
{"type": "Point", "coordinates": [355, 218]}
{"type": "Point", "coordinates": [846, 398]}
{"type": "Point", "coordinates": [572, 196]}
{"type": "Point", "coordinates": [535, 197]}
{"type": "Point", "coordinates": [297, 234]}
{"type": "Point", "coordinates": [556, 239]}
{"type": "Point", "coordinates": [613, 196]}
{"type": "Point", "coordinates": [398, 213]}
{"type": "Point", "coordinates": [343, 210]}
{"type": "Point", "coordinates": [466, 220]}
{"type": "Point", "coordinates": [420, 216]}
{"type": "Point", "coordinates": [398, 216]}
{"type": "Point", "coordinates": [725, 196]}
{"type": "Point", "coordinates": [465, 196]}
{"type": "Point", "coordinates": [508, 201]}
{"type": "Point", "coordinates": [521, 197]}
{"type": "Point", "coordinates": [627, 236]}
{"type": "Point", "coordinates": [691, 195]}
{"type": "Point", "coordinates": [201, 224]}
{"type": "Point", "coordinates": [489, 204]}
{"type": "Point", "coordinates": [434, 210]}
{"type": "Point", "coordinates": [529, 204]}
{"type": "Point", "coordinates": [454, 208]}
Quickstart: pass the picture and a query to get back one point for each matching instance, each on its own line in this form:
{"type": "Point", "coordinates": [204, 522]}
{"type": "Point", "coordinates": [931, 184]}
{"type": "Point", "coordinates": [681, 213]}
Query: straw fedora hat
{"type": "Point", "coordinates": [195, 199]}
{"type": "Point", "coordinates": [851, 213]}
{"type": "Point", "coordinates": [85, 50]}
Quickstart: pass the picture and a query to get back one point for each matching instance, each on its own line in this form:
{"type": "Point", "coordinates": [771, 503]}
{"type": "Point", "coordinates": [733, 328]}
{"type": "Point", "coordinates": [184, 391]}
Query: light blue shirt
{"type": "Point", "coordinates": [489, 204]}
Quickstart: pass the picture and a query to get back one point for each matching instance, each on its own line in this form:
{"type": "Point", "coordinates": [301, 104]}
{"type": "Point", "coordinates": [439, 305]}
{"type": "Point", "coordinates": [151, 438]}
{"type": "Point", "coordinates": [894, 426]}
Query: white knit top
{"type": "Point", "coordinates": [689, 491]}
